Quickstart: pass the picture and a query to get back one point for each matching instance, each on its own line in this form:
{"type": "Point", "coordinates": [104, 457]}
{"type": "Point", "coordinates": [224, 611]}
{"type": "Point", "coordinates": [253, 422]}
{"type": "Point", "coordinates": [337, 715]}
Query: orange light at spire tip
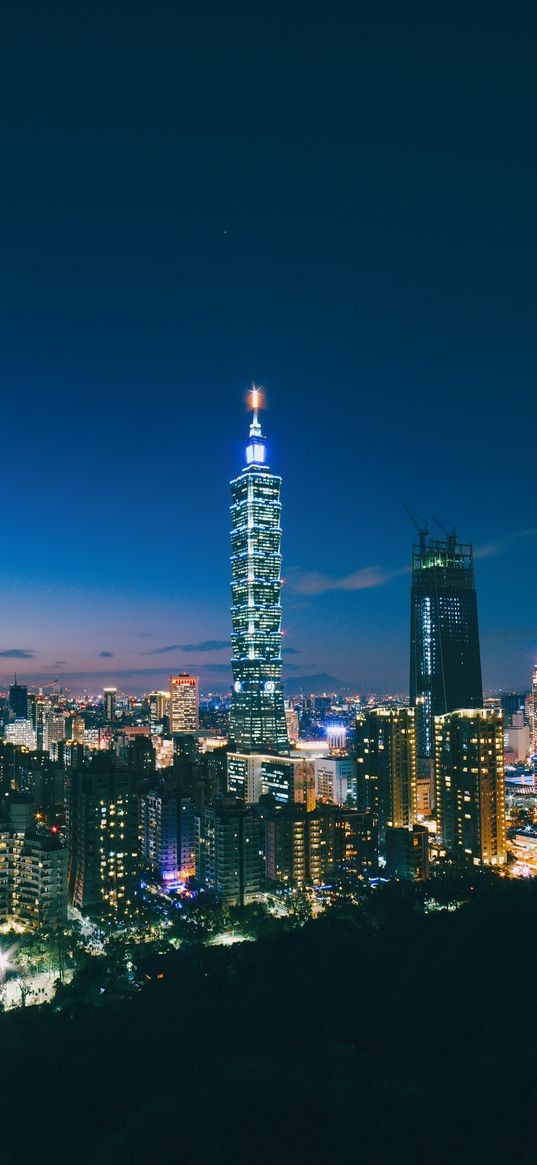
{"type": "Point", "coordinates": [257, 398]}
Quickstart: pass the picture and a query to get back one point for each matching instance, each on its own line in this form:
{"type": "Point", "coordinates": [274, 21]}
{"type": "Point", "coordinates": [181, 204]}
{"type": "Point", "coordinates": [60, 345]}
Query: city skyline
{"type": "Point", "coordinates": [142, 662]}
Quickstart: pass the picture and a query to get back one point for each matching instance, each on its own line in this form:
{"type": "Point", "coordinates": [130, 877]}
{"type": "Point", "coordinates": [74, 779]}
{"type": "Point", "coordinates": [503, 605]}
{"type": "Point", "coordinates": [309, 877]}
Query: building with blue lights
{"type": "Point", "coordinates": [445, 662]}
{"type": "Point", "coordinates": [258, 722]}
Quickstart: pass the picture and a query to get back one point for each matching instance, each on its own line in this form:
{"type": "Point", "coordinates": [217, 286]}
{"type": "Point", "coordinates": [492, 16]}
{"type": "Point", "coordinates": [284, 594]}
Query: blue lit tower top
{"type": "Point", "coordinates": [257, 711]}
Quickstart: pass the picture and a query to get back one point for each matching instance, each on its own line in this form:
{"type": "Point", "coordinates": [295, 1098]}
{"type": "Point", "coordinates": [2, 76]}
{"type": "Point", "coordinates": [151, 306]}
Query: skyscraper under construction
{"type": "Point", "coordinates": [445, 662]}
{"type": "Point", "coordinates": [258, 721]}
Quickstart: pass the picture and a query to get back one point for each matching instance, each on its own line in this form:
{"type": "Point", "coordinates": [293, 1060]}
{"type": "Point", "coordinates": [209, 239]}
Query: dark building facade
{"type": "Point", "coordinates": [18, 700]}
{"type": "Point", "coordinates": [407, 852]}
{"type": "Point", "coordinates": [445, 661]}
{"type": "Point", "coordinates": [258, 722]}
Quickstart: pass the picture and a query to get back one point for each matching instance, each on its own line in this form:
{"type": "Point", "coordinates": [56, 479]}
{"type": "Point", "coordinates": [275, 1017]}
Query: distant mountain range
{"type": "Point", "coordinates": [314, 685]}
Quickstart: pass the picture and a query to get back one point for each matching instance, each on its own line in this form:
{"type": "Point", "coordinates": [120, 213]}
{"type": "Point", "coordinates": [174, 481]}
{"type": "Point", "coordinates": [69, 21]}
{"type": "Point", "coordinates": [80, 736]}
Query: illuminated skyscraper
{"type": "Point", "coordinates": [109, 701]}
{"type": "Point", "coordinates": [258, 721]}
{"type": "Point", "coordinates": [184, 703]}
{"type": "Point", "coordinates": [445, 662]}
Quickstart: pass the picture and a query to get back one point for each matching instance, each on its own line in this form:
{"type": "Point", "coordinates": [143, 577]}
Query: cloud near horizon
{"type": "Point", "coordinates": [106, 655]}
{"type": "Point", "coordinates": [205, 645]}
{"type": "Point", "coordinates": [490, 549]}
{"type": "Point", "coordinates": [17, 653]}
{"type": "Point", "coordinates": [314, 582]}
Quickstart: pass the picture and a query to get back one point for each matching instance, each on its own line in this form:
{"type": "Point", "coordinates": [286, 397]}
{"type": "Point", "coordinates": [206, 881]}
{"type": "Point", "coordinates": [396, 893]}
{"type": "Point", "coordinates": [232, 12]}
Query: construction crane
{"type": "Point", "coordinates": [421, 526]}
{"type": "Point", "coordinates": [451, 535]}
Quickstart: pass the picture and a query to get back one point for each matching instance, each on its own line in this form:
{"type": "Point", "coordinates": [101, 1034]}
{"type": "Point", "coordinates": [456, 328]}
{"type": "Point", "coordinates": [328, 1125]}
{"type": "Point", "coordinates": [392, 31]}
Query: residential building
{"type": "Point", "coordinates": [470, 784]}
{"type": "Point", "coordinates": [386, 766]}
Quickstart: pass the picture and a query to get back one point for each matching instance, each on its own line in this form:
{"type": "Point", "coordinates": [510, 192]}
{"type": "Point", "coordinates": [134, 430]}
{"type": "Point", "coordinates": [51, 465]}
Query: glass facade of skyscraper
{"type": "Point", "coordinates": [258, 721]}
{"type": "Point", "coordinates": [445, 662]}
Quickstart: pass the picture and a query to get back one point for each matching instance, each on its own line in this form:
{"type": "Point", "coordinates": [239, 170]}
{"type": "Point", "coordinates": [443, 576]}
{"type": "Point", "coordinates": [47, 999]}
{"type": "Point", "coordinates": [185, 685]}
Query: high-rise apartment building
{"type": "Point", "coordinates": [229, 853]}
{"type": "Point", "coordinates": [33, 870]}
{"type": "Point", "coordinates": [470, 784]}
{"type": "Point", "coordinates": [168, 833]}
{"type": "Point", "coordinates": [386, 766]}
{"type": "Point", "coordinates": [184, 703]}
{"type": "Point", "coordinates": [313, 849]}
{"type": "Point", "coordinates": [258, 722]}
{"type": "Point", "coordinates": [445, 662]}
{"type": "Point", "coordinates": [102, 830]}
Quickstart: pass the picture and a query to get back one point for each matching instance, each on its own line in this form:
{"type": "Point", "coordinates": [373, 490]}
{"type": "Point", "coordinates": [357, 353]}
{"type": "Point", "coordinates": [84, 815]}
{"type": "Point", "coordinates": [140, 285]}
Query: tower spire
{"type": "Point", "coordinates": [255, 427]}
{"type": "Point", "coordinates": [256, 450]}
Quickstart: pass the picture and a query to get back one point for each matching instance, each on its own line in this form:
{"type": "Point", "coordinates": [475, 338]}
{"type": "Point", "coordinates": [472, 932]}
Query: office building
{"type": "Point", "coordinates": [77, 729]}
{"type": "Point", "coordinates": [40, 721]}
{"type": "Point", "coordinates": [18, 700]}
{"type": "Point", "coordinates": [470, 784]}
{"type": "Point", "coordinates": [407, 852]}
{"type": "Point", "coordinates": [531, 711]}
{"type": "Point", "coordinates": [258, 722]}
{"type": "Point", "coordinates": [386, 766]}
{"type": "Point", "coordinates": [445, 662]}
{"type": "Point", "coordinates": [287, 778]}
{"type": "Point", "coordinates": [102, 830]}
{"type": "Point", "coordinates": [109, 704]}
{"type": "Point", "coordinates": [291, 719]}
{"type": "Point", "coordinates": [54, 730]}
{"type": "Point", "coordinates": [20, 732]}
{"type": "Point", "coordinates": [335, 779]}
{"type": "Point", "coordinates": [229, 857]}
{"type": "Point", "coordinates": [517, 738]}
{"type": "Point", "coordinates": [184, 704]}
{"type": "Point", "coordinates": [158, 703]}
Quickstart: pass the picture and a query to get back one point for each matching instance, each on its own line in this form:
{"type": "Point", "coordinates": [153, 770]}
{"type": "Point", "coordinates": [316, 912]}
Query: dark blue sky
{"type": "Point", "coordinates": [336, 201]}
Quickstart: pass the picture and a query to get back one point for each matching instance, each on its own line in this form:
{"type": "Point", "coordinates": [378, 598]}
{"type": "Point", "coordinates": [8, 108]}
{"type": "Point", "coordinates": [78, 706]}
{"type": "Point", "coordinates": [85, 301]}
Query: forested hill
{"type": "Point", "coordinates": [372, 1035]}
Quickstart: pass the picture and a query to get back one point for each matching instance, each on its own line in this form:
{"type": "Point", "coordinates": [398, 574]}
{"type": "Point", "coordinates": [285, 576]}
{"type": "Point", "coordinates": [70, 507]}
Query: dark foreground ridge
{"type": "Point", "coordinates": [376, 1034]}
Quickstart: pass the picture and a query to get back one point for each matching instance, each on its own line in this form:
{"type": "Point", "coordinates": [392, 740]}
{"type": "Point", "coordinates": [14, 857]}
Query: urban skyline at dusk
{"type": "Point", "coordinates": [138, 659]}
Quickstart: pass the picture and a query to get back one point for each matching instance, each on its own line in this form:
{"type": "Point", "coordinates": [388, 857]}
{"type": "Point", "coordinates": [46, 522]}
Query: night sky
{"type": "Point", "coordinates": [334, 200]}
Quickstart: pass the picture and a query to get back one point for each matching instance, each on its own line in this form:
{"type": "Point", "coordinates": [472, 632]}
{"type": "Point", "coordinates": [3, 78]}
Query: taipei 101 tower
{"type": "Point", "coordinates": [257, 711]}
